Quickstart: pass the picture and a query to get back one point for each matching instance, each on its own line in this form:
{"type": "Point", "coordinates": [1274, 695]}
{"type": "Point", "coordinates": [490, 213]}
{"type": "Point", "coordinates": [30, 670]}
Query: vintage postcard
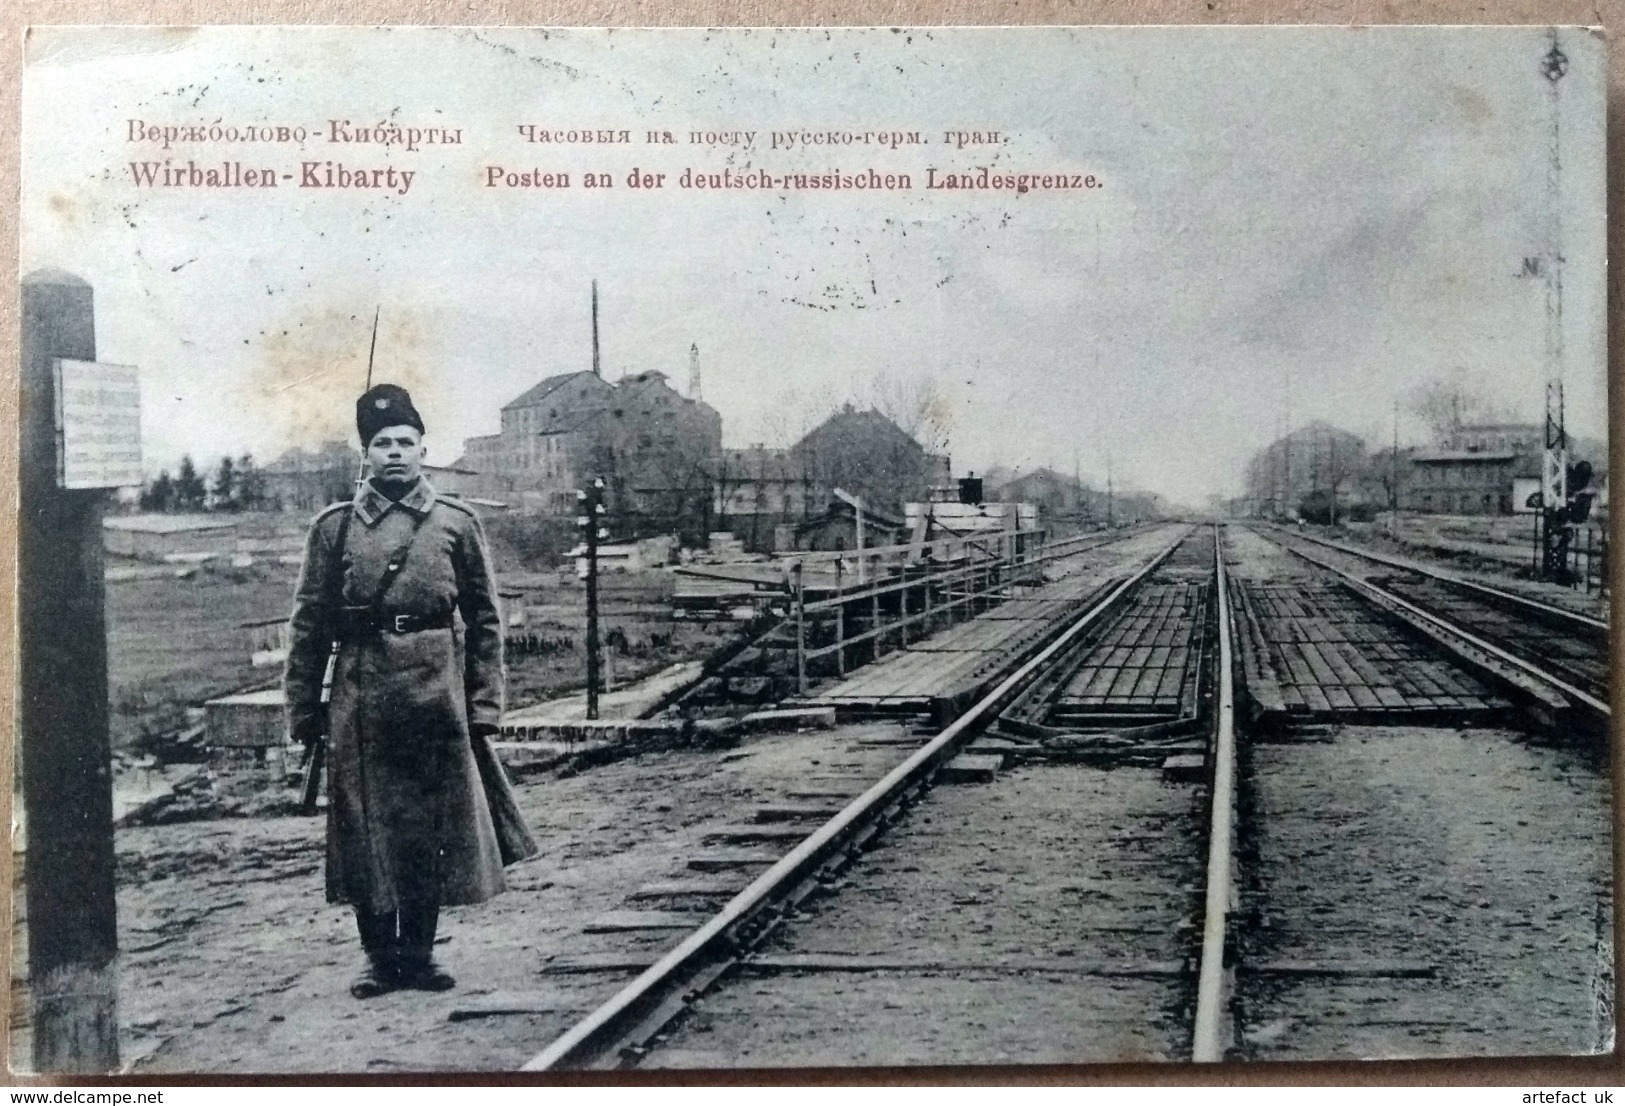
{"type": "Point", "coordinates": [781, 548]}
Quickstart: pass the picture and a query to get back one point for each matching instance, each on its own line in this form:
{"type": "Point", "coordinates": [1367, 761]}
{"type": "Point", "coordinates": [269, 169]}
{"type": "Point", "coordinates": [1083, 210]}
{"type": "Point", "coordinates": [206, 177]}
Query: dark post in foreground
{"type": "Point", "coordinates": [590, 522]}
{"type": "Point", "coordinates": [62, 708]}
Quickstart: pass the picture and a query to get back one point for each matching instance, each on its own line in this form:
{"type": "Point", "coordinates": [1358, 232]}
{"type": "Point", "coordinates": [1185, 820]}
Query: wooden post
{"type": "Point", "coordinates": [801, 633]}
{"type": "Point", "coordinates": [926, 610]}
{"type": "Point", "coordinates": [62, 709]}
{"type": "Point", "coordinates": [902, 606]}
{"type": "Point", "coordinates": [840, 621]}
{"type": "Point", "coordinates": [874, 616]}
{"type": "Point", "coordinates": [590, 524]}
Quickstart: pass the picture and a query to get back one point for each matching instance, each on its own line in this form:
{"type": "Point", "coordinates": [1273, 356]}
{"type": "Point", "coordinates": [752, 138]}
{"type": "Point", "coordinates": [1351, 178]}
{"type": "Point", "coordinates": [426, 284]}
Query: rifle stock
{"type": "Point", "coordinates": [315, 761]}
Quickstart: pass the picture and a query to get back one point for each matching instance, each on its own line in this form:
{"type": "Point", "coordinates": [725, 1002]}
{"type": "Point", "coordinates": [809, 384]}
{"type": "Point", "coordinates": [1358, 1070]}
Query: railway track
{"type": "Point", "coordinates": [622, 1031]}
{"type": "Point", "coordinates": [1563, 649]}
{"type": "Point", "coordinates": [1405, 883]}
{"type": "Point", "coordinates": [1161, 889]}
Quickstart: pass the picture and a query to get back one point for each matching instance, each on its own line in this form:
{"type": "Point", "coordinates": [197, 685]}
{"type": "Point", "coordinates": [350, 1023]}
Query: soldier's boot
{"type": "Point", "coordinates": [378, 941]}
{"type": "Point", "coordinates": [418, 969]}
{"type": "Point", "coordinates": [377, 978]}
{"type": "Point", "coordinates": [420, 972]}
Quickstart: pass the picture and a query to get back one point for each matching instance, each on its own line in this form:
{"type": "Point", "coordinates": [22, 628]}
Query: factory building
{"type": "Point", "coordinates": [653, 447]}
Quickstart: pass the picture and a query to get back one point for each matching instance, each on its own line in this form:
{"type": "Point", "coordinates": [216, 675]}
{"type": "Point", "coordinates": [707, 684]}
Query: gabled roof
{"type": "Point", "coordinates": [542, 390]}
{"type": "Point", "coordinates": [850, 420]}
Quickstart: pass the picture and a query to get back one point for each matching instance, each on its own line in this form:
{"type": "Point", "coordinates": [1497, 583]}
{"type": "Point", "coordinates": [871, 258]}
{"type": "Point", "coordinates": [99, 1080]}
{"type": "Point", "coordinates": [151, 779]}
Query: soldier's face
{"type": "Point", "coordinates": [395, 455]}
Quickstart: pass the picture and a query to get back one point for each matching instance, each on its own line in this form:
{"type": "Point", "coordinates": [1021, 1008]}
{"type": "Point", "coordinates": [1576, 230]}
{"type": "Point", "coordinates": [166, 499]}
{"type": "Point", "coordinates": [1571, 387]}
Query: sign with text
{"type": "Point", "coordinates": [98, 421]}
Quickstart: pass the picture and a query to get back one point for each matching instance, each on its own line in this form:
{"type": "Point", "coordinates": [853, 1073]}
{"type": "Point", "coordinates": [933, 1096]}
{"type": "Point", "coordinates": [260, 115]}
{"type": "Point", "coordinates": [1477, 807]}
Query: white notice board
{"type": "Point", "coordinates": [1523, 488]}
{"type": "Point", "coordinates": [98, 423]}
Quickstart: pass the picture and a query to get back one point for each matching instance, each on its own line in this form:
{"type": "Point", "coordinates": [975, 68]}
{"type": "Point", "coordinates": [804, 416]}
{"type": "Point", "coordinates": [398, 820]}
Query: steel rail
{"type": "Point", "coordinates": [1545, 677]}
{"type": "Point", "coordinates": [603, 1028]}
{"type": "Point", "coordinates": [1211, 991]}
{"type": "Point", "coordinates": [1461, 582]}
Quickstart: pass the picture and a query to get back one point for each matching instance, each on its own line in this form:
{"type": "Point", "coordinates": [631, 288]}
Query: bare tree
{"type": "Point", "coordinates": [1453, 399]}
{"type": "Point", "coordinates": [918, 405]}
{"type": "Point", "coordinates": [795, 411]}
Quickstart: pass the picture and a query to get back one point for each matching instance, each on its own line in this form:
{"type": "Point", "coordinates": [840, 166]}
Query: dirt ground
{"type": "Point", "coordinates": [232, 960]}
{"type": "Point", "coordinates": [1415, 892]}
{"type": "Point", "coordinates": [172, 643]}
{"type": "Point", "coordinates": [1478, 856]}
{"type": "Point", "coordinates": [175, 642]}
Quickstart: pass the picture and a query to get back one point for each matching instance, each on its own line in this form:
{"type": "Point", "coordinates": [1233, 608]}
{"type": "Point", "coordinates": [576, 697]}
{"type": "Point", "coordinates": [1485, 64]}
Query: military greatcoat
{"type": "Point", "coordinates": [418, 808]}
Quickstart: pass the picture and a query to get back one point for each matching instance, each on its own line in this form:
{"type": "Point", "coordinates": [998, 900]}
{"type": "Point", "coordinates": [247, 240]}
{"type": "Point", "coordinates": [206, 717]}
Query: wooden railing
{"type": "Point", "coordinates": [849, 608]}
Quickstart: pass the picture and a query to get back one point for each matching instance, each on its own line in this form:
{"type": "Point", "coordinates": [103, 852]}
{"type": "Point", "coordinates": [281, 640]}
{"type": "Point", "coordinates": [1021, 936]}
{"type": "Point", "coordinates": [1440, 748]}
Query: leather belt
{"type": "Point", "coordinates": [365, 622]}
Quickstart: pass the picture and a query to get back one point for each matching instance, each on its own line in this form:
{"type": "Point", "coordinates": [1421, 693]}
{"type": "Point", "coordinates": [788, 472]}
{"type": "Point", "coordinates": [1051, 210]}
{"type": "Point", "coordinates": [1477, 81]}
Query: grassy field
{"type": "Point", "coordinates": [635, 620]}
{"type": "Point", "coordinates": [174, 643]}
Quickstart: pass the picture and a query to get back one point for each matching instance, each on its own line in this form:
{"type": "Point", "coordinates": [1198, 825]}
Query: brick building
{"type": "Point", "coordinates": [758, 491]}
{"type": "Point", "coordinates": [653, 447]}
{"type": "Point", "coordinates": [1473, 470]}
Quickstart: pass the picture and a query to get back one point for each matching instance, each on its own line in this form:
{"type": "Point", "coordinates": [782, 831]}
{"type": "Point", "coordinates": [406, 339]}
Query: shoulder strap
{"type": "Point", "coordinates": [396, 562]}
{"type": "Point", "coordinates": [335, 562]}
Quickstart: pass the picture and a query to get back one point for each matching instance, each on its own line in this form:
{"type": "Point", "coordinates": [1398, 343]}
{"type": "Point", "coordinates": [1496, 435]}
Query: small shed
{"type": "Point", "coordinates": [247, 725]}
{"type": "Point", "coordinates": [154, 537]}
{"type": "Point", "coordinates": [837, 528]}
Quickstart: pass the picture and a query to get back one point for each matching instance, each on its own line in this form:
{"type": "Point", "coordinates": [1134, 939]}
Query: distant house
{"type": "Point", "coordinates": [1475, 469]}
{"type": "Point", "coordinates": [455, 479]}
{"type": "Point", "coordinates": [836, 527]}
{"type": "Point", "coordinates": [769, 496]}
{"type": "Point", "coordinates": [1495, 437]}
{"type": "Point", "coordinates": [1468, 482]}
{"type": "Point", "coordinates": [1317, 467]}
{"type": "Point", "coordinates": [1061, 500]}
{"type": "Point", "coordinates": [870, 456]}
{"type": "Point", "coordinates": [653, 447]}
{"type": "Point", "coordinates": [758, 489]}
{"type": "Point", "coordinates": [157, 537]}
{"type": "Point", "coordinates": [308, 480]}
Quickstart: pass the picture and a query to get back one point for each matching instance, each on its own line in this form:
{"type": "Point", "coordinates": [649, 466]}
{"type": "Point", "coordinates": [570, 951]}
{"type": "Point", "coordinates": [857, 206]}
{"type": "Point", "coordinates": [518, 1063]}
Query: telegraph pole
{"type": "Point", "coordinates": [590, 523]}
{"type": "Point", "coordinates": [63, 738]}
{"type": "Point", "coordinates": [1393, 480]}
{"type": "Point", "coordinates": [1110, 520]}
{"type": "Point", "coordinates": [596, 369]}
{"type": "Point", "coordinates": [1554, 490]}
{"type": "Point", "coordinates": [1554, 468]}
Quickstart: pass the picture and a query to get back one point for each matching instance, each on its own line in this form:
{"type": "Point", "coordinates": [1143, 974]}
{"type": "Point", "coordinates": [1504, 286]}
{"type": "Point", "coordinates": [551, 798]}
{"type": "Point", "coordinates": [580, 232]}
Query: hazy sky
{"type": "Point", "coordinates": [1332, 214]}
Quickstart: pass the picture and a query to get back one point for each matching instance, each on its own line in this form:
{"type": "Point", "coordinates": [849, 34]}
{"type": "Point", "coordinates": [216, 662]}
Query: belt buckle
{"type": "Point", "coordinates": [400, 623]}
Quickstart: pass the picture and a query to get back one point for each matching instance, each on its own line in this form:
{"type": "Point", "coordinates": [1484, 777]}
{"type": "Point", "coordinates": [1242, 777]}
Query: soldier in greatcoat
{"type": "Point", "coordinates": [397, 590]}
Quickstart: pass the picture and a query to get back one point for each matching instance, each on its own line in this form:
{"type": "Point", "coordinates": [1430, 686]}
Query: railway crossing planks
{"type": "Point", "coordinates": [1142, 661]}
{"type": "Point", "coordinates": [1318, 654]}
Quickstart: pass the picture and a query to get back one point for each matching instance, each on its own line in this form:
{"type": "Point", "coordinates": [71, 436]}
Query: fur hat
{"type": "Point", "coordinates": [384, 405]}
